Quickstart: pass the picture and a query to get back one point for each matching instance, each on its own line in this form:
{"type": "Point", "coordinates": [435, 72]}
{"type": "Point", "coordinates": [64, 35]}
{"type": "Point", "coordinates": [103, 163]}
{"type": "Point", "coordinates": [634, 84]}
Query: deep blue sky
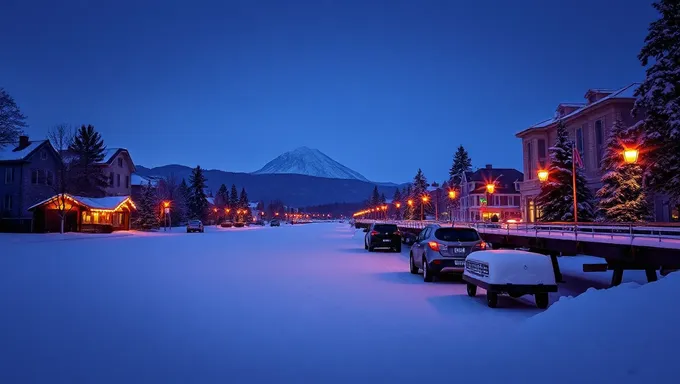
{"type": "Point", "coordinates": [383, 87]}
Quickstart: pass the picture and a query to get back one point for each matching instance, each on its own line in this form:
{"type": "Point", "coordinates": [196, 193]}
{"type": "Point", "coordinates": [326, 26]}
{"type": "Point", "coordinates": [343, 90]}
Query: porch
{"type": "Point", "coordinates": [82, 214]}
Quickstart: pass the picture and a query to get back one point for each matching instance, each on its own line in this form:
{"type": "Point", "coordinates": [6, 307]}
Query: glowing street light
{"type": "Point", "coordinates": [452, 194]}
{"type": "Point", "coordinates": [398, 205]}
{"type": "Point", "coordinates": [490, 188]}
{"type": "Point", "coordinates": [425, 199]}
{"type": "Point", "coordinates": [630, 156]}
{"type": "Point", "coordinates": [542, 175]}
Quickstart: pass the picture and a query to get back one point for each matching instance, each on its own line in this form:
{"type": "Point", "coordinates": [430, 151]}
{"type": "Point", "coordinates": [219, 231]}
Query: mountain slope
{"type": "Point", "coordinates": [292, 189]}
{"type": "Point", "coordinates": [310, 162]}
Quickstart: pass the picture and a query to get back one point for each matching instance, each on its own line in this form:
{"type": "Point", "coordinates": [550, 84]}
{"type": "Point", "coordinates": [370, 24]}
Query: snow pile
{"type": "Point", "coordinates": [626, 334]}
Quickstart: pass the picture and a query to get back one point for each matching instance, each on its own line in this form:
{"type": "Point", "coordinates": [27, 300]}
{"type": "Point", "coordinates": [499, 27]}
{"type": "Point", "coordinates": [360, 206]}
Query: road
{"type": "Point", "coordinates": [299, 303]}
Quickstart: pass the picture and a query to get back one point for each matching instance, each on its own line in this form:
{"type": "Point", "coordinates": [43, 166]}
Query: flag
{"type": "Point", "coordinates": [576, 157]}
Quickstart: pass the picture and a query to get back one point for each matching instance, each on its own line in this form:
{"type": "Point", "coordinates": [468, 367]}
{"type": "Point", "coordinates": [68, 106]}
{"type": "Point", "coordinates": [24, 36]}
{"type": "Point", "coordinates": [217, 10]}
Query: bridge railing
{"type": "Point", "coordinates": [657, 231]}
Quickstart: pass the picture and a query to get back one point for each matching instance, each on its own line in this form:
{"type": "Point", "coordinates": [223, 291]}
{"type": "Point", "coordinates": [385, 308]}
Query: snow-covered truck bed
{"type": "Point", "coordinates": [511, 272]}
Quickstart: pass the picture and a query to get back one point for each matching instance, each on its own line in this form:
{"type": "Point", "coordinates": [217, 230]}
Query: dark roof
{"type": "Point", "coordinates": [505, 179]}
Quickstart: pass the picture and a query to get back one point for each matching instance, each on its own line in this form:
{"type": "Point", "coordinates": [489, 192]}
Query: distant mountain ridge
{"type": "Point", "coordinates": [293, 189]}
{"type": "Point", "coordinates": [310, 162]}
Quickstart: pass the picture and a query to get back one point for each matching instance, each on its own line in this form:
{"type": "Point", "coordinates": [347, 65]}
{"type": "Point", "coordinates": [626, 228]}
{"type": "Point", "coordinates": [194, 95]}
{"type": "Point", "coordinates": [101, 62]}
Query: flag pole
{"type": "Point", "coordinates": [573, 181]}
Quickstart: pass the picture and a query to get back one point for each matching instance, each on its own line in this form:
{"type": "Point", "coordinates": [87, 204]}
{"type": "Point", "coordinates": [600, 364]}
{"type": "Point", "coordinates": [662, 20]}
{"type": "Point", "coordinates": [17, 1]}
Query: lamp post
{"type": "Point", "coordinates": [398, 211]}
{"type": "Point", "coordinates": [452, 197]}
{"type": "Point", "coordinates": [422, 207]}
{"type": "Point", "coordinates": [630, 156]}
{"type": "Point", "coordinates": [166, 216]}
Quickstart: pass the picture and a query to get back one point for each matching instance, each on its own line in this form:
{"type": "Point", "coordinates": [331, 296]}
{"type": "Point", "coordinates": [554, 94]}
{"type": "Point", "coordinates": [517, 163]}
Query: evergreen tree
{"type": "Point", "coordinates": [147, 214]}
{"type": "Point", "coordinates": [182, 202]}
{"type": "Point", "coordinates": [418, 192]}
{"type": "Point", "coordinates": [244, 205]}
{"type": "Point", "coordinates": [375, 197]}
{"type": "Point", "coordinates": [556, 196]}
{"type": "Point", "coordinates": [461, 163]}
{"type": "Point", "coordinates": [622, 196]}
{"type": "Point", "coordinates": [383, 199]}
{"type": "Point", "coordinates": [222, 197]}
{"type": "Point", "coordinates": [12, 121]}
{"type": "Point", "coordinates": [397, 199]}
{"type": "Point", "coordinates": [198, 204]}
{"type": "Point", "coordinates": [658, 99]}
{"type": "Point", "coordinates": [85, 153]}
{"type": "Point", "coordinates": [233, 201]}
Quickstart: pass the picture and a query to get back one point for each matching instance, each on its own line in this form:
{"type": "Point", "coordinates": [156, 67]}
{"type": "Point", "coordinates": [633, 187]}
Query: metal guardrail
{"type": "Point", "coordinates": [658, 231]}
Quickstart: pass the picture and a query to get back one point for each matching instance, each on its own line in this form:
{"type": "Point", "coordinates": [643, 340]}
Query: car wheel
{"type": "Point", "coordinates": [427, 275]}
{"type": "Point", "coordinates": [370, 248]}
{"type": "Point", "coordinates": [412, 265]}
{"type": "Point", "coordinates": [492, 299]}
{"type": "Point", "coordinates": [471, 290]}
{"type": "Point", "coordinates": [541, 300]}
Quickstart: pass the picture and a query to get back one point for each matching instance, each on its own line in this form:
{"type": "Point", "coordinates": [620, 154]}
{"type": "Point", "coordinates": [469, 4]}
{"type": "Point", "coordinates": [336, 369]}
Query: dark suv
{"type": "Point", "coordinates": [383, 236]}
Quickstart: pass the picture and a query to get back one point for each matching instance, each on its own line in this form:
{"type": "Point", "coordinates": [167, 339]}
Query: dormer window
{"type": "Point", "coordinates": [43, 155]}
{"type": "Point", "coordinates": [120, 162]}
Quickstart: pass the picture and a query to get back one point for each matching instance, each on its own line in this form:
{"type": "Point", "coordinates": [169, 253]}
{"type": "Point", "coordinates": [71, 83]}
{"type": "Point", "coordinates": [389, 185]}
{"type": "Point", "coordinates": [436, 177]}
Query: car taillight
{"type": "Point", "coordinates": [373, 233]}
{"type": "Point", "coordinates": [479, 246]}
{"type": "Point", "coordinates": [434, 245]}
{"type": "Point", "coordinates": [397, 233]}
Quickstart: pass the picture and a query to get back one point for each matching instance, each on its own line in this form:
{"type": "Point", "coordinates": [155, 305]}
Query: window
{"type": "Point", "coordinates": [456, 234]}
{"type": "Point", "coordinates": [541, 152]}
{"type": "Point", "coordinates": [504, 201]}
{"type": "Point", "coordinates": [120, 162]}
{"type": "Point", "coordinates": [530, 161]}
{"type": "Point", "coordinates": [127, 181]}
{"type": "Point", "coordinates": [43, 155]}
{"type": "Point", "coordinates": [7, 203]}
{"type": "Point", "coordinates": [111, 179]}
{"type": "Point", "coordinates": [9, 175]}
{"type": "Point", "coordinates": [599, 140]}
{"type": "Point", "coordinates": [36, 176]}
{"type": "Point", "coordinates": [516, 201]}
{"type": "Point", "coordinates": [49, 177]}
{"type": "Point", "coordinates": [579, 143]}
{"type": "Point", "coordinates": [118, 179]}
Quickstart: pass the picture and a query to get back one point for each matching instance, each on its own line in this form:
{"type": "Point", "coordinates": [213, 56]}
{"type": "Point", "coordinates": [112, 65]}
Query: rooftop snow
{"type": "Point", "coordinates": [627, 92]}
{"type": "Point", "coordinates": [8, 152]}
{"type": "Point", "coordinates": [136, 179]}
{"type": "Point", "coordinates": [109, 202]}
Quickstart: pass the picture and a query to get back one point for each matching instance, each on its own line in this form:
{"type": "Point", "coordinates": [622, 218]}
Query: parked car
{"type": "Point", "coordinates": [227, 224]}
{"type": "Point", "coordinates": [239, 224]}
{"type": "Point", "coordinates": [383, 236]}
{"type": "Point", "coordinates": [443, 250]}
{"type": "Point", "coordinates": [195, 226]}
{"type": "Point", "coordinates": [275, 223]}
{"type": "Point", "coordinates": [259, 222]}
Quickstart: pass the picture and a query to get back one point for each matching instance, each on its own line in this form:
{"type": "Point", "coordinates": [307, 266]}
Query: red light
{"type": "Point", "coordinates": [397, 233]}
{"type": "Point", "coordinates": [434, 246]}
{"type": "Point", "coordinates": [480, 246]}
{"type": "Point", "coordinates": [373, 233]}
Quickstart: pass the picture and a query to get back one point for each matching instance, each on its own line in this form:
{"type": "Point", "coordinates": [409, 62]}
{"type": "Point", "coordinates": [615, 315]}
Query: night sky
{"type": "Point", "coordinates": [383, 87]}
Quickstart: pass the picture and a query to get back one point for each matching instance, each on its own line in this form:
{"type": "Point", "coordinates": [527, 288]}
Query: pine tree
{"type": "Point", "coordinates": [182, 202]}
{"type": "Point", "coordinates": [383, 199]}
{"type": "Point", "coordinates": [244, 205]}
{"type": "Point", "coordinates": [233, 201]}
{"type": "Point", "coordinates": [375, 197]}
{"type": "Point", "coordinates": [222, 197]}
{"type": "Point", "coordinates": [397, 199]}
{"type": "Point", "coordinates": [12, 121]}
{"type": "Point", "coordinates": [461, 163]}
{"type": "Point", "coordinates": [198, 204]}
{"type": "Point", "coordinates": [658, 100]}
{"type": "Point", "coordinates": [147, 214]}
{"type": "Point", "coordinates": [556, 197]}
{"type": "Point", "coordinates": [86, 151]}
{"type": "Point", "coordinates": [622, 196]}
{"type": "Point", "coordinates": [418, 192]}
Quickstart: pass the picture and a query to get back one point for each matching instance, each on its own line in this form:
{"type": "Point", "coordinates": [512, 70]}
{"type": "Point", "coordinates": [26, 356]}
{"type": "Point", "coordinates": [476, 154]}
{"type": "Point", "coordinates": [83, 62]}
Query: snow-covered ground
{"type": "Point", "coordinates": [299, 304]}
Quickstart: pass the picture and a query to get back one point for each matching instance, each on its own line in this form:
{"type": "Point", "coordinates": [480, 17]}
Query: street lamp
{"type": "Point", "coordinates": [166, 215]}
{"type": "Point", "coordinates": [630, 156]}
{"type": "Point", "coordinates": [452, 196]}
{"type": "Point", "coordinates": [422, 207]}
{"type": "Point", "coordinates": [543, 175]}
{"type": "Point", "coordinates": [490, 188]}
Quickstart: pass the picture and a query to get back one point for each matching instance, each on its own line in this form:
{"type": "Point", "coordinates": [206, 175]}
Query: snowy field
{"type": "Point", "coordinates": [302, 304]}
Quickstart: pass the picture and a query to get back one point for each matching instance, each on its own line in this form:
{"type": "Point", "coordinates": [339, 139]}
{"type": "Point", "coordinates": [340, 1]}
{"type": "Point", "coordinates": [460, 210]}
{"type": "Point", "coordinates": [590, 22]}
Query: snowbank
{"type": "Point", "coordinates": [626, 334]}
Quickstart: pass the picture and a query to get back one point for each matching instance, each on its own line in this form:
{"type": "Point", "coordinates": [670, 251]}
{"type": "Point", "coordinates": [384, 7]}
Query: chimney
{"type": "Point", "coordinates": [23, 142]}
{"type": "Point", "coordinates": [488, 166]}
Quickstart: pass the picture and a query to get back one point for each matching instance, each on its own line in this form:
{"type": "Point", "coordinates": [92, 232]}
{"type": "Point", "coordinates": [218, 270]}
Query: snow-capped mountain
{"type": "Point", "coordinates": [310, 162]}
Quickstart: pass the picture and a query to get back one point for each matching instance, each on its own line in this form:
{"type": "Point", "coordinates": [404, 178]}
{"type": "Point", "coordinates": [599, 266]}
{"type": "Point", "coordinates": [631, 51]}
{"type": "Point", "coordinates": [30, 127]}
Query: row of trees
{"type": "Point", "coordinates": [189, 201]}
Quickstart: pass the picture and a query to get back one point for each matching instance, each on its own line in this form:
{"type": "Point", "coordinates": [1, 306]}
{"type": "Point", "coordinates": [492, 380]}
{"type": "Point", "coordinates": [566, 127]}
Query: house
{"type": "Point", "coordinates": [138, 182]}
{"type": "Point", "coordinates": [82, 214]}
{"type": "Point", "coordinates": [480, 202]}
{"type": "Point", "coordinates": [28, 170]}
{"type": "Point", "coordinates": [589, 124]}
{"type": "Point", "coordinates": [118, 167]}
